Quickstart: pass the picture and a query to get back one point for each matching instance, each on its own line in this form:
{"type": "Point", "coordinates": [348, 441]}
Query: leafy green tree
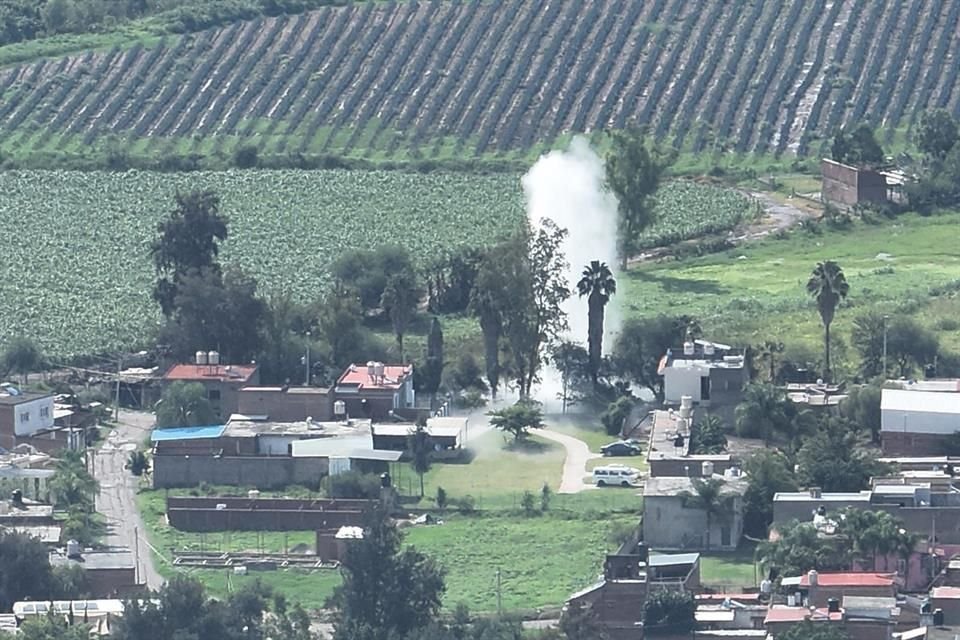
{"type": "Point", "coordinates": [83, 525]}
{"type": "Point", "coordinates": [598, 284]}
{"type": "Point", "coordinates": [799, 547]}
{"type": "Point", "coordinates": [765, 412]}
{"type": "Point", "coordinates": [341, 325]}
{"type": "Point", "coordinates": [432, 370]}
{"type": "Point", "coordinates": [857, 146]}
{"type": "Point", "coordinates": [707, 435]}
{"type": "Point", "coordinates": [450, 279]}
{"type": "Point", "coordinates": [861, 408]}
{"type": "Point", "coordinates": [573, 363]}
{"type": "Point", "coordinates": [210, 308]}
{"type": "Point", "coordinates": [184, 404]}
{"type": "Point", "coordinates": [708, 497]}
{"type": "Point", "coordinates": [616, 413]}
{"type": "Point", "coordinates": [828, 286]}
{"type": "Point", "coordinates": [936, 133]}
{"type": "Point", "coordinates": [830, 459]}
{"type": "Point", "coordinates": [389, 590]}
{"type": "Point", "coordinates": [768, 352]}
{"type": "Point", "coordinates": [634, 168]}
{"type": "Point", "coordinates": [420, 448]}
{"type": "Point", "coordinates": [518, 419]}
{"type": "Point", "coordinates": [669, 612]}
{"type": "Point", "coordinates": [368, 272]}
{"type": "Point", "coordinates": [24, 569]}
{"type": "Point", "coordinates": [137, 463]}
{"type": "Point", "coordinates": [22, 356]}
{"type": "Point", "coordinates": [441, 498]}
{"type": "Point", "coordinates": [465, 374]}
{"type": "Point", "coordinates": [641, 344]}
{"type": "Point", "coordinates": [51, 627]}
{"type": "Point", "coordinates": [187, 243]}
{"type": "Point", "coordinates": [485, 304]}
{"type": "Point", "coordinates": [809, 630]}
{"type": "Point", "coordinates": [72, 484]}
{"type": "Point", "coordinates": [399, 300]}
{"type": "Point", "coordinates": [874, 535]}
{"type": "Point", "coordinates": [768, 472]}
{"type": "Point", "coordinates": [909, 345]}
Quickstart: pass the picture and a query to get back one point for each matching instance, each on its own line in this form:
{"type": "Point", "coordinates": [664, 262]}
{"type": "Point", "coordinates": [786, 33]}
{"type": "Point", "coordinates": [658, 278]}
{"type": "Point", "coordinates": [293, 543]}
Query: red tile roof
{"type": "Point", "coordinates": [201, 372]}
{"type": "Point", "coordinates": [799, 614]}
{"type": "Point", "coordinates": [357, 376]}
{"type": "Point", "coordinates": [850, 579]}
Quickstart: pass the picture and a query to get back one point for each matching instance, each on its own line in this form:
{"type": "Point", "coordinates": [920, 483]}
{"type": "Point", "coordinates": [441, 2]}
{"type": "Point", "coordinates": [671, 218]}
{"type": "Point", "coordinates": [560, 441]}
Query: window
{"type": "Point", "coordinates": [24, 416]}
{"type": "Point", "coordinates": [44, 412]}
{"type": "Point", "coordinates": [214, 395]}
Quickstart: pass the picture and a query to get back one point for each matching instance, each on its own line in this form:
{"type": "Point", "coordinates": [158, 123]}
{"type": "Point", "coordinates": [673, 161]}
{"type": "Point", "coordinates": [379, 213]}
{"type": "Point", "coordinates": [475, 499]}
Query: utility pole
{"type": "Point", "coordinates": [306, 361]}
{"type": "Point", "coordinates": [884, 361]}
{"type": "Point", "coordinates": [499, 598]}
{"type": "Point", "coordinates": [116, 415]}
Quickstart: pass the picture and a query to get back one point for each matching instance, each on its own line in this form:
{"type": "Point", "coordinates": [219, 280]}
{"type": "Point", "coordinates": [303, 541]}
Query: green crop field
{"type": "Point", "coordinates": [77, 278]}
{"type": "Point", "coordinates": [756, 292]}
{"type": "Point", "coordinates": [411, 81]}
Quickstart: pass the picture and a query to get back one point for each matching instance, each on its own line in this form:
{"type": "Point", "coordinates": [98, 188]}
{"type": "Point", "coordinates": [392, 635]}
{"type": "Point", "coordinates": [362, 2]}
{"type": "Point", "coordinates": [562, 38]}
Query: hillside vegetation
{"type": "Point", "coordinates": [404, 81]}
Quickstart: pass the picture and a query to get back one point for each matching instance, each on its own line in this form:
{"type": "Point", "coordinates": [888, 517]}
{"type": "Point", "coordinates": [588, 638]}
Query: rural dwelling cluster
{"type": "Point", "coordinates": [273, 437]}
{"type": "Point", "coordinates": [43, 421]}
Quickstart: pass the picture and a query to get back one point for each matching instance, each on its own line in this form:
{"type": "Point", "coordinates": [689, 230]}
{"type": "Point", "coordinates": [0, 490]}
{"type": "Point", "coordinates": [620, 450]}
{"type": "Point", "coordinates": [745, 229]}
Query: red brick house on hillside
{"type": "Point", "coordinates": [375, 389]}
{"type": "Point", "coordinates": [222, 382]}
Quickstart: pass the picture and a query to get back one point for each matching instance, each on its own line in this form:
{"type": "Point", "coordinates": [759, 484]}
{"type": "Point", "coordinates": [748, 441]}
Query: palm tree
{"type": "Point", "coordinates": [598, 284]}
{"type": "Point", "coordinates": [72, 484]}
{"type": "Point", "coordinates": [708, 497]}
{"type": "Point", "coordinates": [828, 286]}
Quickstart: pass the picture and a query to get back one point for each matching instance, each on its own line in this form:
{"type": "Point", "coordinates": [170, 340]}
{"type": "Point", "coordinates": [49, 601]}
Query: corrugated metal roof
{"type": "Point", "coordinates": [920, 401]}
{"type": "Point", "coordinates": [187, 433]}
{"type": "Point", "coordinates": [670, 559]}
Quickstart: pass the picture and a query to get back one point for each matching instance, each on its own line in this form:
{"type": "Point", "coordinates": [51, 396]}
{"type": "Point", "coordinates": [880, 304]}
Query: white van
{"type": "Point", "coordinates": [616, 474]}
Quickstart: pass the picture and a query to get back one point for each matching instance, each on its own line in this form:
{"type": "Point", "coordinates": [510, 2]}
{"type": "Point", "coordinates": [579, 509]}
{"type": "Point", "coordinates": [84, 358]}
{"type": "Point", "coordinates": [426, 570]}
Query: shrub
{"type": "Point", "coordinates": [528, 504]}
{"type": "Point", "coordinates": [356, 485]}
{"type": "Point", "coordinates": [441, 498]}
{"type": "Point", "coordinates": [245, 157]}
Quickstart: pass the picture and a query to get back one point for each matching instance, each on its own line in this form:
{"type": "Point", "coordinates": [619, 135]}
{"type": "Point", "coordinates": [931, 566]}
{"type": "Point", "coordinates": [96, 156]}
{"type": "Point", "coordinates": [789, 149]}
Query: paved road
{"type": "Point", "coordinates": [117, 499]}
{"type": "Point", "coordinates": [575, 463]}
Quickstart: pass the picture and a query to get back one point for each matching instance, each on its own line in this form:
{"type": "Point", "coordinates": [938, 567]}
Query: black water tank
{"type": "Point", "coordinates": [17, 498]}
{"type": "Point", "coordinates": [385, 480]}
{"type": "Point", "coordinates": [833, 605]}
{"type": "Point", "coordinates": [643, 552]}
{"type": "Point", "coordinates": [938, 617]}
{"type": "Point", "coordinates": [926, 607]}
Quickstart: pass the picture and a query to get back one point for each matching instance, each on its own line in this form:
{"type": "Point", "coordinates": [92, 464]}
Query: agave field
{"type": "Point", "coordinates": [75, 274]}
{"type": "Point", "coordinates": [434, 78]}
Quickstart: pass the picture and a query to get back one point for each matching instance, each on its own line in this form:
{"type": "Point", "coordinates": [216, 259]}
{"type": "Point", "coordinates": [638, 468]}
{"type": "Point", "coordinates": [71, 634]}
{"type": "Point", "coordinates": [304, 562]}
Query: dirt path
{"type": "Point", "coordinates": [575, 462]}
{"type": "Point", "coordinates": [117, 499]}
{"type": "Point", "coordinates": [777, 217]}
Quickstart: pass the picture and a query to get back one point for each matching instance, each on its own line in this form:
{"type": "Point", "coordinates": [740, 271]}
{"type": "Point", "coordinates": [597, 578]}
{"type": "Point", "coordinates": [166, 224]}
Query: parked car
{"type": "Point", "coordinates": [616, 474]}
{"type": "Point", "coordinates": [621, 448]}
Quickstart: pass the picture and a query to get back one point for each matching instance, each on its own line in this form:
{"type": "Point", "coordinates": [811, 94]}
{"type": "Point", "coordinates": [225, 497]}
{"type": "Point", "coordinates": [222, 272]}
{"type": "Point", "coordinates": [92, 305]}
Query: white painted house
{"type": "Point", "coordinates": [23, 414]}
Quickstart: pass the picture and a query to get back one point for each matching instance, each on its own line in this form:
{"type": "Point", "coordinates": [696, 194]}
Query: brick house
{"type": "Point", "coordinates": [286, 404]}
{"type": "Point", "coordinates": [374, 390]}
{"type": "Point", "coordinates": [221, 382]}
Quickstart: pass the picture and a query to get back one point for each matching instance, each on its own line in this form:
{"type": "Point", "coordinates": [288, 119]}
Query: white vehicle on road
{"type": "Point", "coordinates": [616, 475]}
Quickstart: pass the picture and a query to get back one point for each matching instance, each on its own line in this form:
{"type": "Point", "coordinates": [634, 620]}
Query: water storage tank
{"type": "Point", "coordinates": [340, 408]}
{"type": "Point", "coordinates": [73, 549]}
{"type": "Point", "coordinates": [688, 348]}
{"type": "Point", "coordinates": [708, 349]}
{"type": "Point", "coordinates": [371, 368]}
{"type": "Point", "coordinates": [813, 578]}
{"type": "Point", "coordinates": [253, 494]}
{"type": "Point", "coordinates": [201, 357]}
{"type": "Point", "coordinates": [213, 358]}
{"type": "Point", "coordinates": [686, 402]}
{"type": "Point", "coordinates": [706, 469]}
{"type": "Point", "coordinates": [378, 370]}
{"type": "Point", "coordinates": [833, 605]}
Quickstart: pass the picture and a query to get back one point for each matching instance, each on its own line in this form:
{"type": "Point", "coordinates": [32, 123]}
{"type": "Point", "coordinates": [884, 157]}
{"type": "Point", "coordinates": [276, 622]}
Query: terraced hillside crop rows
{"type": "Point", "coordinates": [441, 78]}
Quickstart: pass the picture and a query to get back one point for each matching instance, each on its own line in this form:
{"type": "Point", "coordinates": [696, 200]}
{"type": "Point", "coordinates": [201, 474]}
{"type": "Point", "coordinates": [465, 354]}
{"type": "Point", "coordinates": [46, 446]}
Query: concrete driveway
{"type": "Point", "coordinates": [575, 462]}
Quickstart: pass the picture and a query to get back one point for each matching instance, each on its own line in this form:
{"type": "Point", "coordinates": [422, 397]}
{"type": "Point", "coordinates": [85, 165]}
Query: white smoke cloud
{"type": "Point", "coordinates": [567, 187]}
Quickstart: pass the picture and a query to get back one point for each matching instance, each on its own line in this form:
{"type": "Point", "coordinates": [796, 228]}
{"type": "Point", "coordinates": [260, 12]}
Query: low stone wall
{"type": "Point", "coordinates": [248, 471]}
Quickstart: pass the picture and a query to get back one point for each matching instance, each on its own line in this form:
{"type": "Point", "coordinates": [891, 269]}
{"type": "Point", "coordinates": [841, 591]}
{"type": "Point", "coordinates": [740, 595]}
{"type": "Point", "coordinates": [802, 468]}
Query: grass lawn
{"type": "Point", "coordinates": [586, 427]}
{"type": "Point", "coordinates": [542, 560]}
{"type": "Point", "coordinates": [728, 570]}
{"type": "Point", "coordinates": [498, 474]}
{"type": "Point", "coordinates": [756, 292]}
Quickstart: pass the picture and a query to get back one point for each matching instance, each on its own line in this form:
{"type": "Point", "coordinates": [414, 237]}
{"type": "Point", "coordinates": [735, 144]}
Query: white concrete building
{"type": "Point", "coordinates": [914, 422]}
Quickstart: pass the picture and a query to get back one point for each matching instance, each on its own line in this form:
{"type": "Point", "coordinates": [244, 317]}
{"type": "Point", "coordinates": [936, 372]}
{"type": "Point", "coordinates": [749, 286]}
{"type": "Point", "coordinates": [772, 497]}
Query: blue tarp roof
{"type": "Point", "coordinates": [187, 433]}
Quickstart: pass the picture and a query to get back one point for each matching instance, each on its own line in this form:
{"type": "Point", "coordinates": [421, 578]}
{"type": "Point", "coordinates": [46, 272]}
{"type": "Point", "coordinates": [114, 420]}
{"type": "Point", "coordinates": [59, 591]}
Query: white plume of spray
{"type": "Point", "coordinates": [568, 187]}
